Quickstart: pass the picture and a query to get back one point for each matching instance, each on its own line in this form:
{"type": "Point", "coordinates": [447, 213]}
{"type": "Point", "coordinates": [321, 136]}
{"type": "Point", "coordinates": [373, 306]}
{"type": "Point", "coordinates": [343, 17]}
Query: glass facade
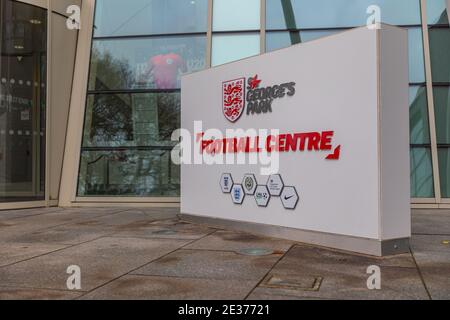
{"type": "Point", "coordinates": [23, 36]}
{"type": "Point", "coordinates": [140, 50]}
{"type": "Point", "coordinates": [293, 21]}
{"type": "Point", "coordinates": [439, 33]}
{"type": "Point", "coordinates": [235, 28]}
{"type": "Point", "coordinates": [114, 68]}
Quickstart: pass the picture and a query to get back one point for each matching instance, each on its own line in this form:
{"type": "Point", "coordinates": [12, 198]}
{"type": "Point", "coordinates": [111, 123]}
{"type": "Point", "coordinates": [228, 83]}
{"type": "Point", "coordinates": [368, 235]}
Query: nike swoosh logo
{"type": "Point", "coordinates": [287, 198]}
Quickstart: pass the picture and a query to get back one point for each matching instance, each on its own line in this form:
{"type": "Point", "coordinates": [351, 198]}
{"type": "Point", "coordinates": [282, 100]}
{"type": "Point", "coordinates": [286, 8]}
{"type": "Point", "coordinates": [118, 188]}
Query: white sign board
{"type": "Point", "coordinates": [340, 109]}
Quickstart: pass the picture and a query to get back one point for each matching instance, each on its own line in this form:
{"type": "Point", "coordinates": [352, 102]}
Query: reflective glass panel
{"type": "Point", "coordinates": [437, 12]}
{"type": "Point", "coordinates": [444, 171]}
{"type": "Point", "coordinates": [233, 15]}
{"type": "Point", "coordinates": [23, 49]}
{"type": "Point", "coordinates": [153, 63]}
{"type": "Point", "coordinates": [442, 111]}
{"type": "Point", "coordinates": [127, 145]}
{"type": "Point", "coordinates": [231, 47]}
{"type": "Point", "coordinates": [296, 14]}
{"type": "Point", "coordinates": [280, 39]}
{"type": "Point", "coordinates": [418, 115]}
{"type": "Point", "coordinates": [421, 173]}
{"type": "Point", "coordinates": [440, 54]}
{"type": "Point", "coordinates": [145, 17]}
{"type": "Point", "coordinates": [416, 57]}
{"type": "Point", "coordinates": [137, 173]}
{"type": "Point", "coordinates": [131, 120]}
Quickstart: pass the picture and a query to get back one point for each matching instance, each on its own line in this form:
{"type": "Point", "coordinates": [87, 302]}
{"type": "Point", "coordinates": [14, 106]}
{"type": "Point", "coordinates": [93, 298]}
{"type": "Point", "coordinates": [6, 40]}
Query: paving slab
{"type": "Point", "coordinates": [341, 276]}
{"type": "Point", "coordinates": [128, 220]}
{"type": "Point", "coordinates": [433, 259]}
{"type": "Point", "coordinates": [14, 214]}
{"type": "Point", "coordinates": [93, 210]}
{"type": "Point", "coordinates": [236, 241]}
{"type": "Point", "coordinates": [10, 229]}
{"type": "Point", "coordinates": [167, 288]}
{"type": "Point", "coordinates": [67, 235]}
{"type": "Point", "coordinates": [210, 265]}
{"type": "Point", "coordinates": [396, 284]}
{"type": "Point", "coordinates": [162, 211]}
{"type": "Point", "coordinates": [14, 293]}
{"type": "Point", "coordinates": [330, 260]}
{"type": "Point", "coordinates": [127, 253]}
{"type": "Point", "coordinates": [100, 261]}
{"type": "Point", "coordinates": [432, 222]}
{"type": "Point", "coordinates": [169, 229]}
{"type": "Point", "coordinates": [435, 270]}
{"type": "Point", "coordinates": [430, 243]}
{"type": "Point", "coordinates": [15, 252]}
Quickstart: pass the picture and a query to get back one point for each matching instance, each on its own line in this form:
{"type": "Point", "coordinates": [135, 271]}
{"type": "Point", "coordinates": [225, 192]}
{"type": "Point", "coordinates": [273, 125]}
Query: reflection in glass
{"type": "Point", "coordinates": [127, 145]}
{"type": "Point", "coordinates": [444, 171]}
{"type": "Point", "coordinates": [145, 17]}
{"type": "Point", "coordinates": [233, 15]}
{"type": "Point", "coordinates": [23, 35]}
{"type": "Point", "coordinates": [421, 173]}
{"type": "Point", "coordinates": [131, 120]}
{"type": "Point", "coordinates": [437, 12]}
{"type": "Point", "coordinates": [153, 63]}
{"type": "Point", "coordinates": [440, 54]}
{"type": "Point", "coordinates": [416, 57]}
{"type": "Point", "coordinates": [418, 115]}
{"type": "Point", "coordinates": [282, 39]}
{"type": "Point", "coordinates": [300, 14]}
{"type": "Point", "coordinates": [232, 47]}
{"type": "Point", "coordinates": [442, 111]}
{"type": "Point", "coordinates": [137, 172]}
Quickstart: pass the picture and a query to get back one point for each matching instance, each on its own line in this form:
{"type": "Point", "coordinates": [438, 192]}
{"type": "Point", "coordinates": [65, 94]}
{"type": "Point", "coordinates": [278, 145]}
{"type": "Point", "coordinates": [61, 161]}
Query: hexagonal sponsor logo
{"type": "Point", "coordinates": [237, 194]}
{"type": "Point", "coordinates": [275, 185]}
{"type": "Point", "coordinates": [290, 198]}
{"type": "Point", "coordinates": [249, 183]}
{"type": "Point", "coordinates": [226, 183]}
{"type": "Point", "coordinates": [262, 196]}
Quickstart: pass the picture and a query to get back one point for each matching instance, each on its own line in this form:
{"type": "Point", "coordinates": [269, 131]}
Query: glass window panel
{"type": "Point", "coordinates": [421, 173]}
{"type": "Point", "coordinates": [444, 171]}
{"type": "Point", "coordinates": [416, 56]}
{"type": "Point", "coordinates": [23, 34]}
{"type": "Point", "coordinates": [138, 173]}
{"type": "Point", "coordinates": [440, 54]}
{"type": "Point", "coordinates": [131, 120]}
{"type": "Point", "coordinates": [437, 12]}
{"type": "Point", "coordinates": [153, 63]}
{"type": "Point", "coordinates": [282, 14]}
{"type": "Point", "coordinates": [281, 39]}
{"type": "Point", "coordinates": [418, 115]}
{"type": "Point", "coordinates": [232, 47]}
{"type": "Point", "coordinates": [442, 111]}
{"type": "Point", "coordinates": [138, 17]}
{"type": "Point", "coordinates": [127, 145]}
{"type": "Point", "coordinates": [233, 15]}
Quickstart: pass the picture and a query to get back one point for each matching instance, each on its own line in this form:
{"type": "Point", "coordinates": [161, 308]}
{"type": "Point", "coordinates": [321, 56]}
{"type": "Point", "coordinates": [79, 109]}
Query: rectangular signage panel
{"type": "Point", "coordinates": [309, 143]}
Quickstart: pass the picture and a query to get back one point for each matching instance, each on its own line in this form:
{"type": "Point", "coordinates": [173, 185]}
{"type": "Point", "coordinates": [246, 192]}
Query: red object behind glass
{"type": "Point", "coordinates": [165, 68]}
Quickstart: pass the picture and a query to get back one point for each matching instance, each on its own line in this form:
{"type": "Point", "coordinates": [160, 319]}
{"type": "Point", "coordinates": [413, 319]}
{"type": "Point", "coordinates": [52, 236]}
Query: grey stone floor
{"type": "Point", "coordinates": [151, 254]}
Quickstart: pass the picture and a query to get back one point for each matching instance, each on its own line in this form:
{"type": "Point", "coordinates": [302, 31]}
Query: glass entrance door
{"type": "Point", "coordinates": [23, 37]}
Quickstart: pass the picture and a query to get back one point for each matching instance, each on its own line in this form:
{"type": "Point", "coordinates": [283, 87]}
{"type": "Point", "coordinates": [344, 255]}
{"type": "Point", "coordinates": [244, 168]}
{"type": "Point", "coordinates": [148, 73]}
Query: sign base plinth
{"type": "Point", "coordinates": [371, 247]}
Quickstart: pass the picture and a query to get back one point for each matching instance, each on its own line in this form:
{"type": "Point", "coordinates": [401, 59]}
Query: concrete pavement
{"type": "Point", "coordinates": [152, 254]}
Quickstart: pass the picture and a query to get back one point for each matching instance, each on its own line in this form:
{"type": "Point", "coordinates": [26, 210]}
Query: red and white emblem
{"type": "Point", "coordinates": [233, 99]}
